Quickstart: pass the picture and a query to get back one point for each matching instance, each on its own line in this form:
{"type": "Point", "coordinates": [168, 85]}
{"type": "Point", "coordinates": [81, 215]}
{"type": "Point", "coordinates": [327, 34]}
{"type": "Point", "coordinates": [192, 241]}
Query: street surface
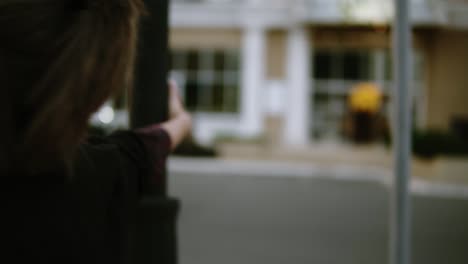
{"type": "Point", "coordinates": [237, 218]}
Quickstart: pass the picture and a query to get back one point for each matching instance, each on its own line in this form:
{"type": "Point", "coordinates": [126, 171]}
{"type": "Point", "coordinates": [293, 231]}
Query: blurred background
{"type": "Point", "coordinates": [292, 106]}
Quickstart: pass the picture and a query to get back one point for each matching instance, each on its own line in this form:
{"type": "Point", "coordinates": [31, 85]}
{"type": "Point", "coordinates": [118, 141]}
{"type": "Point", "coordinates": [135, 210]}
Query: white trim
{"type": "Point", "coordinates": [298, 119]}
{"type": "Point", "coordinates": [253, 80]}
{"type": "Point", "coordinates": [279, 14]}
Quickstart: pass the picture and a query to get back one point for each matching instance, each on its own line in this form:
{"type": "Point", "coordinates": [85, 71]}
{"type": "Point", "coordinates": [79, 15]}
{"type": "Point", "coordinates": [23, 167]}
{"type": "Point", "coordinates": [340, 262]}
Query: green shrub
{"type": "Point", "coordinates": [189, 148]}
{"type": "Point", "coordinates": [432, 143]}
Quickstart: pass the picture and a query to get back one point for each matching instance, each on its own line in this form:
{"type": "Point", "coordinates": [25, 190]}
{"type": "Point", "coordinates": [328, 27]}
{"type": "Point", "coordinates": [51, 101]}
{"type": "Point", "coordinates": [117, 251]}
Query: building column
{"type": "Point", "coordinates": [298, 120]}
{"type": "Point", "coordinates": [253, 80]}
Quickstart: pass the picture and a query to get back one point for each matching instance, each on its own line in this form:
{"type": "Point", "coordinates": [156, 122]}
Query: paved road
{"type": "Point", "coordinates": [241, 220]}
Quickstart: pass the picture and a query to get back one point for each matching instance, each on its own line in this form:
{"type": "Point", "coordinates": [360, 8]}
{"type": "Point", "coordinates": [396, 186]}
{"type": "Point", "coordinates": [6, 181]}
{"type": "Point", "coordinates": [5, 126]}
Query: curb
{"type": "Point", "coordinates": [292, 170]}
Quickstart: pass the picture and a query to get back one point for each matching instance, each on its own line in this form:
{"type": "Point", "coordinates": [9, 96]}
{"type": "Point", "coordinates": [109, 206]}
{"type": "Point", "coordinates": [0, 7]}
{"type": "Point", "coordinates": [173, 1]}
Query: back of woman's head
{"type": "Point", "coordinates": [59, 61]}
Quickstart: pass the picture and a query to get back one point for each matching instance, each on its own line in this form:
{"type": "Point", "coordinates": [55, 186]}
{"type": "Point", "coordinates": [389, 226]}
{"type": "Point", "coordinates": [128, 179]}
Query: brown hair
{"type": "Point", "coordinates": [59, 61]}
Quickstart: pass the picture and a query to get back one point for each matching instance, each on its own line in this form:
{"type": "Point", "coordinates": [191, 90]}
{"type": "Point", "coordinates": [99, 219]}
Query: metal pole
{"type": "Point", "coordinates": [154, 238]}
{"type": "Point", "coordinates": [149, 96]}
{"type": "Point", "coordinates": [401, 198]}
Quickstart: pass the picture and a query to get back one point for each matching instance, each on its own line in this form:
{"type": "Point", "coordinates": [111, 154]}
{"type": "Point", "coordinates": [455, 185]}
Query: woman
{"type": "Point", "coordinates": [66, 199]}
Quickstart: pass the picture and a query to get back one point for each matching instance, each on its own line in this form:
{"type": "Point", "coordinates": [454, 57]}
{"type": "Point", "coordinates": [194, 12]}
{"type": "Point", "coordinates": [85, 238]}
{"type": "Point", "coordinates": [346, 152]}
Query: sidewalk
{"type": "Point", "coordinates": [443, 169]}
{"type": "Point", "coordinates": [321, 153]}
{"type": "Point", "coordinates": [328, 160]}
{"type": "Point", "coordinates": [284, 169]}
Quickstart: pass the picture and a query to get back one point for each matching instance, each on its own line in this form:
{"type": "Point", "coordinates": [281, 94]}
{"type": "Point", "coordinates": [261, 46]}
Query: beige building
{"type": "Point", "coordinates": [284, 68]}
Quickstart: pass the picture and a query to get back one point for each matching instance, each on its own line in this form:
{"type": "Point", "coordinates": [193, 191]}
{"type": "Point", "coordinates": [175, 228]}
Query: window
{"type": "Point", "coordinates": [323, 65]}
{"type": "Point", "coordinates": [343, 65]}
{"type": "Point", "coordinates": [335, 73]}
{"type": "Point", "coordinates": [210, 79]}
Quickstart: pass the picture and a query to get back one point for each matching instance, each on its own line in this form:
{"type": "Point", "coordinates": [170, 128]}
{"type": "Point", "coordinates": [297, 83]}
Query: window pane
{"type": "Point", "coordinates": [322, 65]}
{"type": "Point", "coordinates": [366, 65]}
{"type": "Point", "coordinates": [192, 61]}
{"type": "Point", "coordinates": [191, 95]}
{"type": "Point", "coordinates": [357, 65]}
{"type": "Point", "coordinates": [232, 60]}
{"type": "Point", "coordinates": [178, 60]}
{"type": "Point", "coordinates": [219, 61]}
{"type": "Point", "coordinates": [205, 97]}
{"type": "Point", "coordinates": [211, 78]}
{"type": "Point", "coordinates": [231, 98]}
{"type": "Point", "coordinates": [205, 60]}
{"type": "Point", "coordinates": [351, 65]}
{"type": "Point", "coordinates": [218, 97]}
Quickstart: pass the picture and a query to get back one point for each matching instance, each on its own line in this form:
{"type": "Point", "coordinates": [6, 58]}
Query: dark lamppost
{"type": "Point", "coordinates": [155, 227]}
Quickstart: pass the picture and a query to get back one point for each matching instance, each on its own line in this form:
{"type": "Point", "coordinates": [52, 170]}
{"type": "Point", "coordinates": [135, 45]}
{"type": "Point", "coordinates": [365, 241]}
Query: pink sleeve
{"type": "Point", "coordinates": [158, 146]}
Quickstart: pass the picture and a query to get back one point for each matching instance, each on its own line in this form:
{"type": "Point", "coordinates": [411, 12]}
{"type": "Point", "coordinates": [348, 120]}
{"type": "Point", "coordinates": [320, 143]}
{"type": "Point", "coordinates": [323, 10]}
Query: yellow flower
{"type": "Point", "coordinates": [365, 97]}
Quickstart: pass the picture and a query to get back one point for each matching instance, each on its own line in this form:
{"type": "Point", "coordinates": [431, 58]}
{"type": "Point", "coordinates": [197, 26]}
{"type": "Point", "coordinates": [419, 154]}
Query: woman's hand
{"type": "Point", "coordinates": [175, 102]}
{"type": "Point", "coordinates": [180, 122]}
